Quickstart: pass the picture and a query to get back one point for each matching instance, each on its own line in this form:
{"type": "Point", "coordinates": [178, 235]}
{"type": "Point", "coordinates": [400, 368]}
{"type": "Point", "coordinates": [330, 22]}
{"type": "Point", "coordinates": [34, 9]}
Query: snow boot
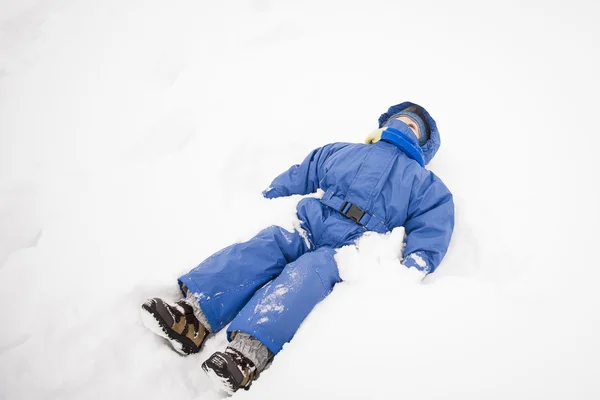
{"type": "Point", "coordinates": [176, 323]}
{"type": "Point", "coordinates": [230, 371]}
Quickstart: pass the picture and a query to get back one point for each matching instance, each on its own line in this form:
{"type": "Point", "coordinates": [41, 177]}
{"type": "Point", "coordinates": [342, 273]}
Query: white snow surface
{"type": "Point", "coordinates": [136, 138]}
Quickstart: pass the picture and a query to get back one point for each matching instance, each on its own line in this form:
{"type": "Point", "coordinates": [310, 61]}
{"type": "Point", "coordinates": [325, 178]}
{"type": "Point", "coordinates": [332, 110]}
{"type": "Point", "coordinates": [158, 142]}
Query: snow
{"type": "Point", "coordinates": [136, 138]}
{"type": "Point", "coordinates": [272, 302]}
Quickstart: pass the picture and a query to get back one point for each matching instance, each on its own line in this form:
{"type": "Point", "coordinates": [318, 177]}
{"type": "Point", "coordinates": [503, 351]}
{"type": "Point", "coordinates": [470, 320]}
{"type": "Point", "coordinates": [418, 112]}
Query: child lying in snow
{"type": "Point", "coordinates": [266, 286]}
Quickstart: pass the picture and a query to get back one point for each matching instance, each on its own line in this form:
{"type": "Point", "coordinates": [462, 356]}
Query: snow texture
{"type": "Point", "coordinates": [136, 138]}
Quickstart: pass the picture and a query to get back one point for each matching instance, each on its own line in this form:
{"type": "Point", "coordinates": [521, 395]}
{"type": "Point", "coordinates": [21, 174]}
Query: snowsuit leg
{"type": "Point", "coordinates": [275, 312]}
{"type": "Point", "coordinates": [224, 282]}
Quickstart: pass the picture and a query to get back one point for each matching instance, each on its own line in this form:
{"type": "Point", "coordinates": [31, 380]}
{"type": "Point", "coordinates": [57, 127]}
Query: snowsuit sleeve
{"type": "Point", "coordinates": [303, 178]}
{"type": "Point", "coordinates": [429, 224]}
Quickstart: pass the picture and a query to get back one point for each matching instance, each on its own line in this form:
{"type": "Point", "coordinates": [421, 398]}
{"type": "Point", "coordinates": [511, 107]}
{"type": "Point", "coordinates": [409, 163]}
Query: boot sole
{"type": "Point", "coordinates": [152, 320]}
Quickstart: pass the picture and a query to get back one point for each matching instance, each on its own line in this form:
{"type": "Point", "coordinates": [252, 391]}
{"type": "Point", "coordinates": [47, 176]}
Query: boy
{"type": "Point", "coordinates": [266, 286]}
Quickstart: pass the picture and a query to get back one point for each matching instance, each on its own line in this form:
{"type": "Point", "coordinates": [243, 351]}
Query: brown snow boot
{"type": "Point", "coordinates": [230, 370]}
{"type": "Point", "coordinates": [176, 323]}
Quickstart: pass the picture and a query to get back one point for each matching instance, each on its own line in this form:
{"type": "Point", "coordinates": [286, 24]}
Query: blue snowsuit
{"type": "Point", "coordinates": [269, 284]}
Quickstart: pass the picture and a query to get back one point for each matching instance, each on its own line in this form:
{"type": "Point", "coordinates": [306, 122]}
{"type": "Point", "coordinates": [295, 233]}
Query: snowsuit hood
{"type": "Point", "coordinates": [430, 147]}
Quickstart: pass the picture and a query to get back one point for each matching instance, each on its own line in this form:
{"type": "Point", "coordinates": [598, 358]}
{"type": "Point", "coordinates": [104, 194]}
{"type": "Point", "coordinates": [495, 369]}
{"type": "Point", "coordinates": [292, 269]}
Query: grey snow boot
{"type": "Point", "coordinates": [175, 323]}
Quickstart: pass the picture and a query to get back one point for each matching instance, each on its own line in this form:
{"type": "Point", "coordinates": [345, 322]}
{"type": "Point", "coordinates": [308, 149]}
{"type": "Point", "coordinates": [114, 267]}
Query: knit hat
{"type": "Point", "coordinates": [416, 114]}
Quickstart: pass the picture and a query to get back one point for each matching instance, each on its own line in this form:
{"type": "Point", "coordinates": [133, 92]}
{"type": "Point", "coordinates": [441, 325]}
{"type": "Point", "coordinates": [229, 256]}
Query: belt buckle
{"type": "Point", "coordinates": [354, 213]}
